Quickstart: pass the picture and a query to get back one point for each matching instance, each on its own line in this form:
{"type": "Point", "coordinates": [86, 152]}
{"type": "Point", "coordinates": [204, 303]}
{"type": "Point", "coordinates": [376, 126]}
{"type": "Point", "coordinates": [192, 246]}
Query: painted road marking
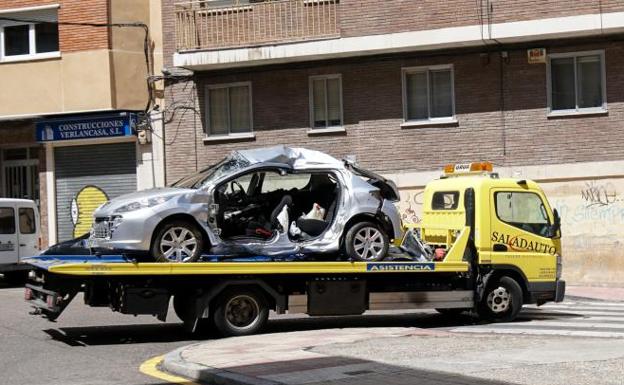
{"type": "Point", "coordinates": [580, 319]}
{"type": "Point", "coordinates": [150, 368]}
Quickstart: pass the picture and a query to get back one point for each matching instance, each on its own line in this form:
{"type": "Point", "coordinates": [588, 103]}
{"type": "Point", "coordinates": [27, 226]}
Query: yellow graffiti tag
{"type": "Point", "coordinates": [86, 201]}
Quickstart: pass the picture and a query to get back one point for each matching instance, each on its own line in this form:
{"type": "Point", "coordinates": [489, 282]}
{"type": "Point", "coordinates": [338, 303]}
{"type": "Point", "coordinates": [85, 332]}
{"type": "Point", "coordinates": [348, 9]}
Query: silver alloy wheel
{"type": "Point", "coordinates": [498, 300]}
{"type": "Point", "coordinates": [178, 244]}
{"type": "Point", "coordinates": [368, 243]}
{"type": "Point", "coordinates": [242, 312]}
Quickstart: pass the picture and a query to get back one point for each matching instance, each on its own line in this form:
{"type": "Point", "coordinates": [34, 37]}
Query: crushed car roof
{"type": "Point", "coordinates": [295, 157]}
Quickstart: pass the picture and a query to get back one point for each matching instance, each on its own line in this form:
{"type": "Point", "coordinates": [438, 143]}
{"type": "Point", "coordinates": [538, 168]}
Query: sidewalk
{"type": "Point", "coordinates": [293, 358]}
{"type": "Point", "coordinates": [615, 294]}
{"type": "Point", "coordinates": [287, 358]}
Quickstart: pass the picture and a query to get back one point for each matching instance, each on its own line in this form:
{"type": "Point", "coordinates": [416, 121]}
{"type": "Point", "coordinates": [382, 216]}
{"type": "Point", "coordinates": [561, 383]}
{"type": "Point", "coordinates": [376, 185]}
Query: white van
{"type": "Point", "coordinates": [19, 234]}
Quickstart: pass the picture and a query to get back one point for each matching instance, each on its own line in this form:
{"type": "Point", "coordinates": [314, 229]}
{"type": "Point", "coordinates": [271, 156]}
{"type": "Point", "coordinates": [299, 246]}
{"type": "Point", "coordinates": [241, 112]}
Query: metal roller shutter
{"type": "Point", "coordinates": [90, 175]}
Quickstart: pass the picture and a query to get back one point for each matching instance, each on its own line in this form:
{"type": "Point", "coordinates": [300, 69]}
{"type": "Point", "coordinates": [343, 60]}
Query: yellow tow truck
{"type": "Point", "coordinates": [486, 244]}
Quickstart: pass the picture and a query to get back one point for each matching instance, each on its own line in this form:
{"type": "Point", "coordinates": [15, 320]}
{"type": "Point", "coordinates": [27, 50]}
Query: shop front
{"type": "Point", "coordinates": [89, 160]}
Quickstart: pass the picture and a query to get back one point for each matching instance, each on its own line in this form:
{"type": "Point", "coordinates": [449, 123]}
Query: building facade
{"type": "Point", "coordinates": [74, 97]}
{"type": "Point", "coordinates": [409, 86]}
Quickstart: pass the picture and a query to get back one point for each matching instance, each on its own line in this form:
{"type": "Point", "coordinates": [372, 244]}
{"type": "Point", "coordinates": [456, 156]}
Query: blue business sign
{"type": "Point", "coordinates": [101, 126]}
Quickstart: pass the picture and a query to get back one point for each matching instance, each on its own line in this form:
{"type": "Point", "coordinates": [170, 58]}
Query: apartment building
{"type": "Point", "coordinates": [408, 86]}
{"type": "Point", "coordinates": [73, 97]}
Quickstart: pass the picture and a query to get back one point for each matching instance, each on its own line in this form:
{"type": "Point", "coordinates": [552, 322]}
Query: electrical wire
{"type": "Point", "coordinates": [146, 40]}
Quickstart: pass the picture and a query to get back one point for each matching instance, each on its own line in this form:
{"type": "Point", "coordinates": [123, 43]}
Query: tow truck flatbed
{"type": "Point", "coordinates": [113, 265]}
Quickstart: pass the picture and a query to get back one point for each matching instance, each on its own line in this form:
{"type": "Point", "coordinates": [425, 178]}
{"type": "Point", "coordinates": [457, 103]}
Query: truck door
{"type": "Point", "coordinates": [28, 229]}
{"type": "Point", "coordinates": [520, 221]}
{"type": "Point", "coordinates": [8, 234]}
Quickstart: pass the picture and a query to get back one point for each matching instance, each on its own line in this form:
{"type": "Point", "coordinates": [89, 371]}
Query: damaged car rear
{"type": "Point", "coordinates": [267, 201]}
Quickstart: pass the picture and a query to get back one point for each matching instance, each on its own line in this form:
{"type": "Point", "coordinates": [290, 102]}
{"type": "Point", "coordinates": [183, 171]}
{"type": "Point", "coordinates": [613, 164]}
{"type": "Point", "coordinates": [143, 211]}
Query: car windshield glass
{"type": "Point", "coordinates": [231, 164]}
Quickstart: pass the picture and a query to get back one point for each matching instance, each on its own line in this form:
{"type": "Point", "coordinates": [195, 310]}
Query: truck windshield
{"type": "Point", "coordinates": [229, 165]}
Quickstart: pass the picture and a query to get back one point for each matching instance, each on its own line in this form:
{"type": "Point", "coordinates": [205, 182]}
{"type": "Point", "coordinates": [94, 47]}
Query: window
{"type": "Point", "coordinates": [428, 94]}
{"type": "Point", "coordinates": [24, 40]}
{"type": "Point", "coordinates": [445, 200]}
{"type": "Point", "coordinates": [577, 82]}
{"type": "Point", "coordinates": [274, 181]}
{"type": "Point", "coordinates": [325, 101]}
{"type": "Point", "coordinates": [228, 109]}
{"type": "Point", "coordinates": [7, 220]}
{"type": "Point", "coordinates": [523, 210]}
{"type": "Point", "coordinates": [27, 220]}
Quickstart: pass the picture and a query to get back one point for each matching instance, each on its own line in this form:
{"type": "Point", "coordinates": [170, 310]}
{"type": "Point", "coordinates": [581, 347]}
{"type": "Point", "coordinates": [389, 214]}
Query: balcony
{"type": "Point", "coordinates": [222, 24]}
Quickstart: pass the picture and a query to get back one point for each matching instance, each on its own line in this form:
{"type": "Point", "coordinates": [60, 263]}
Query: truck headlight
{"type": "Point", "coordinates": [143, 203]}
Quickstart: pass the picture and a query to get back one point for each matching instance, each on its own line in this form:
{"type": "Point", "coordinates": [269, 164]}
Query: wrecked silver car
{"type": "Point", "coordinates": [264, 202]}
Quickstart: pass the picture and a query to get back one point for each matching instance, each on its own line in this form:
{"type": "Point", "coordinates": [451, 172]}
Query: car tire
{"type": "Point", "coordinates": [366, 241]}
{"type": "Point", "coordinates": [502, 300]}
{"type": "Point", "coordinates": [240, 312]}
{"type": "Point", "coordinates": [177, 241]}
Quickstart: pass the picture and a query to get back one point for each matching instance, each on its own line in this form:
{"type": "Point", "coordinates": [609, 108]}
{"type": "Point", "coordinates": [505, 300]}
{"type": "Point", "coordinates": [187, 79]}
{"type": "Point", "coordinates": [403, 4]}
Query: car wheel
{"type": "Point", "coordinates": [240, 312]}
{"type": "Point", "coordinates": [178, 241]}
{"type": "Point", "coordinates": [502, 301]}
{"type": "Point", "coordinates": [366, 241]}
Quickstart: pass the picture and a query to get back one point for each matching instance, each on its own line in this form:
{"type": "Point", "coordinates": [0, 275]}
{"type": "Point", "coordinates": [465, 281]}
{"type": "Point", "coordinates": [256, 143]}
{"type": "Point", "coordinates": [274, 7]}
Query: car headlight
{"type": "Point", "coordinates": [143, 203]}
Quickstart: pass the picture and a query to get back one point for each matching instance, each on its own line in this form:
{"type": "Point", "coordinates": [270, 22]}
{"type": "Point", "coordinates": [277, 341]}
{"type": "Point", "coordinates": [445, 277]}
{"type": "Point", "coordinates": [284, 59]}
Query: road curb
{"type": "Point", "coordinates": [176, 364]}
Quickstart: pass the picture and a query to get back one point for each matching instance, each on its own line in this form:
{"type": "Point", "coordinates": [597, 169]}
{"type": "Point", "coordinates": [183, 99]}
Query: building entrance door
{"type": "Point", "coordinates": [20, 173]}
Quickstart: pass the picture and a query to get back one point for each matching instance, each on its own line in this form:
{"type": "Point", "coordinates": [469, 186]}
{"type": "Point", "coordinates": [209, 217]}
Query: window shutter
{"type": "Point", "coordinates": [218, 109]}
{"type": "Point", "coordinates": [239, 109]}
{"type": "Point", "coordinates": [333, 102]}
{"type": "Point", "coordinates": [416, 95]}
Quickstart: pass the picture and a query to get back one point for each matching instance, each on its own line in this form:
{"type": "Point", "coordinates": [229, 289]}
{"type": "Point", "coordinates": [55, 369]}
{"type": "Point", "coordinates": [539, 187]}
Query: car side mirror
{"type": "Point", "coordinates": [554, 230]}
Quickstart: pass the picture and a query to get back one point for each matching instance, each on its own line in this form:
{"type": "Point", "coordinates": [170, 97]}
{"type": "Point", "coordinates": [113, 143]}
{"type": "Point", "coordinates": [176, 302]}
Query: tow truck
{"type": "Point", "coordinates": [485, 244]}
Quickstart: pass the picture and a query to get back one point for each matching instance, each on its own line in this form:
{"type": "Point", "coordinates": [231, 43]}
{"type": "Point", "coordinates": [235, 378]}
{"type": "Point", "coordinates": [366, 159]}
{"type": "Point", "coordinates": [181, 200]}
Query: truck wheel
{"type": "Point", "coordinates": [240, 312]}
{"type": "Point", "coordinates": [366, 241]}
{"type": "Point", "coordinates": [177, 241]}
{"type": "Point", "coordinates": [502, 301]}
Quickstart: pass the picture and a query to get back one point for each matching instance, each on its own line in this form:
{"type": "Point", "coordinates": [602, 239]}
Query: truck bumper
{"type": "Point", "coordinates": [560, 291]}
{"type": "Point", "coordinates": [542, 292]}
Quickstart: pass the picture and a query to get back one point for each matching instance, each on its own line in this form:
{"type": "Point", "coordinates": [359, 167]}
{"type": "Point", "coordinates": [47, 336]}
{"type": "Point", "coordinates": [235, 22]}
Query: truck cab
{"type": "Point", "coordinates": [514, 233]}
{"type": "Point", "coordinates": [19, 233]}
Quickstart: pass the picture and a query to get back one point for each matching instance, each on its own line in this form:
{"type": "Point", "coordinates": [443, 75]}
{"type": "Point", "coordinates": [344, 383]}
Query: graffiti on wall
{"type": "Point", "coordinates": [599, 194]}
{"type": "Point", "coordinates": [410, 206]}
{"type": "Point", "coordinates": [83, 205]}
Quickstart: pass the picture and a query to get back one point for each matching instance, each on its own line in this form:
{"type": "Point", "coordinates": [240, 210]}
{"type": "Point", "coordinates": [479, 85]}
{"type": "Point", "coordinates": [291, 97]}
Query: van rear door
{"type": "Point", "coordinates": [8, 234]}
{"type": "Point", "coordinates": [28, 230]}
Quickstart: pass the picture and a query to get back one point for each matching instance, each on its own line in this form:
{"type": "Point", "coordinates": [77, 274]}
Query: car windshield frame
{"type": "Point", "coordinates": [231, 164]}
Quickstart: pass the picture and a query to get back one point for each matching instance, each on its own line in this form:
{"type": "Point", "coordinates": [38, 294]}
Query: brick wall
{"type": "Point", "coordinates": [371, 17]}
{"type": "Point", "coordinates": [522, 135]}
{"type": "Point", "coordinates": [74, 38]}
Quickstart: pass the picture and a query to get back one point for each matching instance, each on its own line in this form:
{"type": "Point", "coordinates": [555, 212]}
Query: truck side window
{"type": "Point", "coordinates": [524, 210]}
{"type": "Point", "coordinates": [27, 220]}
{"type": "Point", "coordinates": [7, 220]}
{"type": "Point", "coordinates": [445, 200]}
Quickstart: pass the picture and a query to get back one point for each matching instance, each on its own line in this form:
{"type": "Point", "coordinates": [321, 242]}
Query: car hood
{"type": "Point", "coordinates": [109, 207]}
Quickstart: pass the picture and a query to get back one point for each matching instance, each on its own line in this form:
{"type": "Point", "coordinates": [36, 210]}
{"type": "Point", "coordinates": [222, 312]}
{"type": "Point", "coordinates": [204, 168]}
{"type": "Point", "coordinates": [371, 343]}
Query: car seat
{"type": "Point", "coordinates": [316, 227]}
{"type": "Point", "coordinates": [266, 229]}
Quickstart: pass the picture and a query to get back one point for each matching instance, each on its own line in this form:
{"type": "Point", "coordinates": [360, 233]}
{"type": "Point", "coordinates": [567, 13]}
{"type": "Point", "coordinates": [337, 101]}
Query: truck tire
{"type": "Point", "coordinates": [240, 312]}
{"type": "Point", "coordinates": [177, 241]}
{"type": "Point", "coordinates": [502, 300]}
{"type": "Point", "coordinates": [366, 241]}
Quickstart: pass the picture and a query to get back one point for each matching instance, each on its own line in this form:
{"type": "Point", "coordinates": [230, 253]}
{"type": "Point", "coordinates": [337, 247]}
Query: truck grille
{"type": "Point", "coordinates": [102, 228]}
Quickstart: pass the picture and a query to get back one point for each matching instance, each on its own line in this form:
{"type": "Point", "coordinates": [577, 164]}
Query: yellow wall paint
{"type": "Point", "coordinates": [83, 206]}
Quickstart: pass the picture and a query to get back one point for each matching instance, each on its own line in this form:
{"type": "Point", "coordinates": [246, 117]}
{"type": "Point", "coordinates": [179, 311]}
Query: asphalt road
{"type": "Point", "coordinates": [98, 347]}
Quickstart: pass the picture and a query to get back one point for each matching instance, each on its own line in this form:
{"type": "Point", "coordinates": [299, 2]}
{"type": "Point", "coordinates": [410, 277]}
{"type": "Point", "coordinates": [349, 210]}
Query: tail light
{"type": "Point", "coordinates": [28, 294]}
{"type": "Point", "coordinates": [50, 301]}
